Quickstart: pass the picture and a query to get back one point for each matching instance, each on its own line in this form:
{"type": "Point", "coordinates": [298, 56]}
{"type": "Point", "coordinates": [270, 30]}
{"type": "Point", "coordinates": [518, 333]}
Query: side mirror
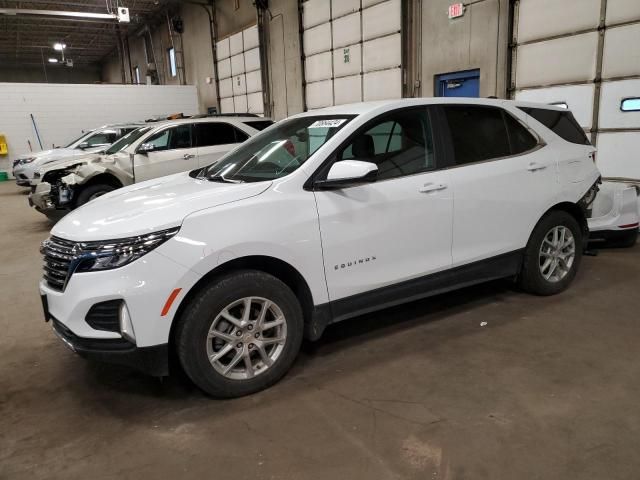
{"type": "Point", "coordinates": [348, 173]}
{"type": "Point", "coordinates": [146, 148]}
{"type": "Point", "coordinates": [84, 145]}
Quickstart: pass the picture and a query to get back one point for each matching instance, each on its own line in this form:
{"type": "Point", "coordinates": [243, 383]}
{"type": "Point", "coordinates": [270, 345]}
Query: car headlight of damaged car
{"type": "Point", "coordinates": [110, 254]}
{"type": "Point", "coordinates": [26, 160]}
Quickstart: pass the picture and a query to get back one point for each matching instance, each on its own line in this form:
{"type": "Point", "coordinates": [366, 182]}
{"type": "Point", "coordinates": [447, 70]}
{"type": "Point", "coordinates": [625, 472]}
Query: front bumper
{"type": "Point", "coordinates": [143, 286]}
{"type": "Point", "coordinates": [23, 174]}
{"type": "Point", "coordinates": [150, 360]}
{"type": "Point", "coordinates": [40, 197]}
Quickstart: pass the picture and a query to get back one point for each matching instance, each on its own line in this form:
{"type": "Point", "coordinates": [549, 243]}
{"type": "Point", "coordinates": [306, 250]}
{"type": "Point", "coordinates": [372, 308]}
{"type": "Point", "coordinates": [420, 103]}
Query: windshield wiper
{"type": "Point", "coordinates": [220, 178]}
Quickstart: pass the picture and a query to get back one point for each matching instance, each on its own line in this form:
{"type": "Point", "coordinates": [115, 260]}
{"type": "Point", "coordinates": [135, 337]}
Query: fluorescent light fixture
{"type": "Point", "coordinates": [53, 60]}
{"type": "Point", "coordinates": [59, 46]}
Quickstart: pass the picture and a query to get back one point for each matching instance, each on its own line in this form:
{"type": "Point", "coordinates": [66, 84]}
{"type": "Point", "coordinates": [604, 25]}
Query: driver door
{"type": "Point", "coordinates": [396, 229]}
{"type": "Point", "coordinates": [171, 151]}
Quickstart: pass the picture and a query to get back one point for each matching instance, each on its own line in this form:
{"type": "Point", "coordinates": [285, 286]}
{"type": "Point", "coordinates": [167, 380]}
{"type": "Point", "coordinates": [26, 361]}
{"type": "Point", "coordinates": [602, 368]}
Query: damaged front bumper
{"type": "Point", "coordinates": [40, 197]}
{"type": "Point", "coordinates": [47, 198]}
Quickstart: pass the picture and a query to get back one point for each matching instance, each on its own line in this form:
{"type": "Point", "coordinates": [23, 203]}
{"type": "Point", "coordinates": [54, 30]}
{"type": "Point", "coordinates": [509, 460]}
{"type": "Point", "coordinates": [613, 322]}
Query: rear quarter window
{"type": "Point", "coordinates": [259, 124]}
{"type": "Point", "coordinates": [562, 123]}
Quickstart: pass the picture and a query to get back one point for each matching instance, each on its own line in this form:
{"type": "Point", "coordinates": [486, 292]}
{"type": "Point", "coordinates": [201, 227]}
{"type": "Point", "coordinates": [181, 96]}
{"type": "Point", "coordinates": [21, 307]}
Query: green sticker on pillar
{"type": "Point", "coordinates": [347, 55]}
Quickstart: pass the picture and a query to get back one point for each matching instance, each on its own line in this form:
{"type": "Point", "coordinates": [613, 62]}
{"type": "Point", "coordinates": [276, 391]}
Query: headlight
{"type": "Point", "coordinates": [27, 160]}
{"type": "Point", "coordinates": [109, 254]}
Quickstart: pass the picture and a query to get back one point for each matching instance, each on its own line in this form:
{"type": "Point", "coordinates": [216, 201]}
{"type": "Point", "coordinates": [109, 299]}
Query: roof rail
{"type": "Point", "coordinates": [207, 115]}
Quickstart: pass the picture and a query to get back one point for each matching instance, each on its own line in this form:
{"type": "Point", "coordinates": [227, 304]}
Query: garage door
{"type": "Point", "coordinates": [239, 73]}
{"type": "Point", "coordinates": [352, 50]}
{"type": "Point", "coordinates": [583, 53]}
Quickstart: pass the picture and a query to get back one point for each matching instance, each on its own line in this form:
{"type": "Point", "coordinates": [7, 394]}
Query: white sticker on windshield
{"type": "Point", "coordinates": [335, 122]}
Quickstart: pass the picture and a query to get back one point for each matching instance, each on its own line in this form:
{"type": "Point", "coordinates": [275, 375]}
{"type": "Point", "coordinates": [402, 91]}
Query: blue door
{"type": "Point", "coordinates": [458, 84]}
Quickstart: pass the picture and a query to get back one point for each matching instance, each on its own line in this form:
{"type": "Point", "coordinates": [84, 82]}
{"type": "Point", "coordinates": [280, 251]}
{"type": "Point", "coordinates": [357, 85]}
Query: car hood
{"type": "Point", "coordinates": [149, 206]}
{"type": "Point", "coordinates": [67, 162]}
{"type": "Point", "coordinates": [49, 156]}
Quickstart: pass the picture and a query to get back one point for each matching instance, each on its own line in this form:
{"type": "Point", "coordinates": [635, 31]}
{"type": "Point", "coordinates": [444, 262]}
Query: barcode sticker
{"type": "Point", "coordinates": [335, 122]}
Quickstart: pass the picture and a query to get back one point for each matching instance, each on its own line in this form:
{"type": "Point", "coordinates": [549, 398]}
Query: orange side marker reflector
{"type": "Point", "coordinates": [169, 302]}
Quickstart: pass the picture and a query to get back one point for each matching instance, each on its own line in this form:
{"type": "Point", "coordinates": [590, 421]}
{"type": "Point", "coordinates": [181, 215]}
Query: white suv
{"type": "Point", "coordinates": [94, 141]}
{"type": "Point", "coordinates": [149, 152]}
{"type": "Point", "coordinates": [324, 216]}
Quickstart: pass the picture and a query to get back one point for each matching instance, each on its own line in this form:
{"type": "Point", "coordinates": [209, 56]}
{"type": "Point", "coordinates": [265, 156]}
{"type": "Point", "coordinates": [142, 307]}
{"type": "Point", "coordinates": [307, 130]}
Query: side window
{"type": "Point", "coordinates": [214, 133]}
{"type": "Point", "coordinates": [160, 140]}
{"type": "Point", "coordinates": [259, 124]}
{"type": "Point", "coordinates": [180, 137]}
{"type": "Point", "coordinates": [240, 135]}
{"type": "Point", "coordinates": [477, 133]}
{"type": "Point", "coordinates": [519, 137]}
{"type": "Point", "coordinates": [562, 123]}
{"type": "Point", "coordinates": [102, 138]}
{"type": "Point", "coordinates": [401, 144]}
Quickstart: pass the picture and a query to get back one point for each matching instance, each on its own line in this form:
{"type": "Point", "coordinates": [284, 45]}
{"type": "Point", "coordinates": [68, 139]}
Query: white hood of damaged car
{"type": "Point", "coordinates": [149, 206]}
{"type": "Point", "coordinates": [47, 156]}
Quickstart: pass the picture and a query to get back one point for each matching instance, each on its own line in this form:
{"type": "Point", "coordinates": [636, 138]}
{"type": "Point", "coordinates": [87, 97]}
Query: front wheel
{"type": "Point", "coordinates": [240, 334]}
{"type": "Point", "coordinates": [91, 192]}
{"type": "Point", "coordinates": [552, 255]}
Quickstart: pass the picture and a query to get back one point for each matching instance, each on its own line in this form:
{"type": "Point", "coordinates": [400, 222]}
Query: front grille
{"type": "Point", "coordinates": [105, 316]}
{"type": "Point", "coordinates": [58, 261]}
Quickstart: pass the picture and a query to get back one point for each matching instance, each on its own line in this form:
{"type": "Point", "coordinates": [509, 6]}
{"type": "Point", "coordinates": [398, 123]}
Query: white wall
{"type": "Point", "coordinates": [62, 111]}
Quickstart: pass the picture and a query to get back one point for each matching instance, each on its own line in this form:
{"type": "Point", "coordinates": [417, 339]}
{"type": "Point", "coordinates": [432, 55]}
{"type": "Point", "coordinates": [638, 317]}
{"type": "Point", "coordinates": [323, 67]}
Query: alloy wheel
{"type": "Point", "coordinates": [557, 254]}
{"type": "Point", "coordinates": [246, 338]}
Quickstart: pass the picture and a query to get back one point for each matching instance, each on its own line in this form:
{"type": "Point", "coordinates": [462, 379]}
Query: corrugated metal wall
{"type": "Point", "coordinates": [584, 53]}
{"type": "Point", "coordinates": [352, 51]}
{"type": "Point", "coordinates": [239, 72]}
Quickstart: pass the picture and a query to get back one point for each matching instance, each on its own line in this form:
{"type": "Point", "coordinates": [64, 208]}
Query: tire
{"type": "Point", "coordinates": [55, 216]}
{"type": "Point", "coordinates": [92, 191]}
{"type": "Point", "coordinates": [203, 315]}
{"type": "Point", "coordinates": [532, 279]}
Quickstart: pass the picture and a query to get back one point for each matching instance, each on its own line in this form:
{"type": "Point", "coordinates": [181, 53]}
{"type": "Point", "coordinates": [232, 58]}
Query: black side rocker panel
{"type": "Point", "coordinates": [501, 266]}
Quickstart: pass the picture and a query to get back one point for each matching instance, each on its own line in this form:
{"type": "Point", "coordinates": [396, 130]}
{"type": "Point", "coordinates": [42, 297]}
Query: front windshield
{"type": "Point", "coordinates": [79, 139]}
{"type": "Point", "coordinates": [127, 140]}
{"type": "Point", "coordinates": [277, 151]}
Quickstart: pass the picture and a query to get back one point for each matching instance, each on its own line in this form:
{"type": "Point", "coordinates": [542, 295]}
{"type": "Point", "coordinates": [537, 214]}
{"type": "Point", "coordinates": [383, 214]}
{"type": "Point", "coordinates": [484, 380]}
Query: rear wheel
{"type": "Point", "coordinates": [91, 192]}
{"type": "Point", "coordinates": [552, 255]}
{"type": "Point", "coordinates": [240, 334]}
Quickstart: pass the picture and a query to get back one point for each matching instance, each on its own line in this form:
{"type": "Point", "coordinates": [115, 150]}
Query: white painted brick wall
{"type": "Point", "coordinates": [63, 111]}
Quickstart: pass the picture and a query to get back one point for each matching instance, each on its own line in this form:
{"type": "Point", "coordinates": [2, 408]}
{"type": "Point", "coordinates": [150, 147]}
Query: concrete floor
{"type": "Point", "coordinates": [549, 388]}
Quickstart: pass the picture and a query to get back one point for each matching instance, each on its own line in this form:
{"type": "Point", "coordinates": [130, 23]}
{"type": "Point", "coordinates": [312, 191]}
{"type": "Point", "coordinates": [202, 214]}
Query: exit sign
{"type": "Point", "coordinates": [456, 10]}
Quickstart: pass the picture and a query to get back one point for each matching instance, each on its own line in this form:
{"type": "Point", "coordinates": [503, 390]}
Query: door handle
{"type": "Point", "coordinates": [188, 156]}
{"type": "Point", "coordinates": [533, 166]}
{"type": "Point", "coordinates": [432, 187]}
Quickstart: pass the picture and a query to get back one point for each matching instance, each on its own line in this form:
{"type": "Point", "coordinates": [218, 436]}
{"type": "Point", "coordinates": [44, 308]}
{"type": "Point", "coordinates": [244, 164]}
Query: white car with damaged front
{"type": "Point", "coordinates": [26, 166]}
{"type": "Point", "coordinates": [324, 216]}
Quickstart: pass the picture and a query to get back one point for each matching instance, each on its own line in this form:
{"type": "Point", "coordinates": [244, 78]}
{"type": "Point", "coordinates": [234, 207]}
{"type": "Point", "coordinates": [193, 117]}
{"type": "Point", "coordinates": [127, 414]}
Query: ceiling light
{"type": "Point", "coordinates": [53, 60]}
{"type": "Point", "coordinates": [59, 46]}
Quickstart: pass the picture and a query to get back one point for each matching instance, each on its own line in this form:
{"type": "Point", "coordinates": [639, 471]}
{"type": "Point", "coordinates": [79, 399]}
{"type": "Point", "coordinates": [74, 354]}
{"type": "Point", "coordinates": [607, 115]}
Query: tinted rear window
{"type": "Point", "coordinates": [217, 133]}
{"type": "Point", "coordinates": [477, 133]}
{"type": "Point", "coordinates": [259, 124]}
{"type": "Point", "coordinates": [520, 138]}
{"type": "Point", "coordinates": [561, 123]}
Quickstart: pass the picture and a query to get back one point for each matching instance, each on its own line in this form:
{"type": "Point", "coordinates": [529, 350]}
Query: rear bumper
{"type": "Point", "coordinates": [612, 235]}
{"type": "Point", "coordinates": [150, 360]}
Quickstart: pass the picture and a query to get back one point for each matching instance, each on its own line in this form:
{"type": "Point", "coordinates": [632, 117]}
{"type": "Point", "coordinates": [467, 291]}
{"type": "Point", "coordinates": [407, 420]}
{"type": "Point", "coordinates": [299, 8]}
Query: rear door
{"type": "Point", "coordinates": [214, 139]}
{"type": "Point", "coordinates": [503, 177]}
{"type": "Point", "coordinates": [173, 152]}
